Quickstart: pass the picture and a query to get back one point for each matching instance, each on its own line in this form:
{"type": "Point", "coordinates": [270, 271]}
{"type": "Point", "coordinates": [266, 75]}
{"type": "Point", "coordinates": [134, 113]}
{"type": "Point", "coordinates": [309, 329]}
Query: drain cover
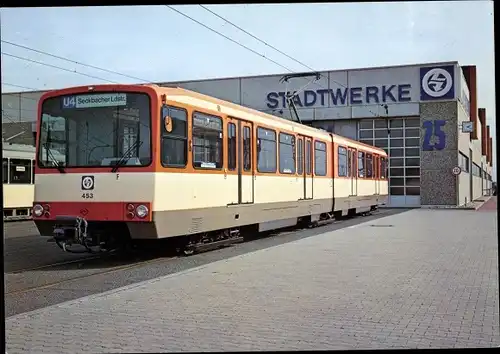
{"type": "Point", "coordinates": [382, 225]}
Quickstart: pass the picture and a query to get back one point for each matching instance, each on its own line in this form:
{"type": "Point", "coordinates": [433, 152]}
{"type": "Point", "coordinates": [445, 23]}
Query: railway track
{"type": "Point", "coordinates": [71, 279]}
{"type": "Point", "coordinates": [52, 265]}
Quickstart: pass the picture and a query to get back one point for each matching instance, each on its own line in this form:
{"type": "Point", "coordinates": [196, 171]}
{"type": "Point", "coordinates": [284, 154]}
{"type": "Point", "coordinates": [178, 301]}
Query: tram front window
{"type": "Point", "coordinates": [94, 130]}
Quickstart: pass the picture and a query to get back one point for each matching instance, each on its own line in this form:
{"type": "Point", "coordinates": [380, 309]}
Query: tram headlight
{"type": "Point", "coordinates": [38, 210]}
{"type": "Point", "coordinates": [142, 211]}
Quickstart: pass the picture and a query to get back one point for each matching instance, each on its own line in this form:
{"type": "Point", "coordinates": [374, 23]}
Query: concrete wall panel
{"type": "Point", "coordinates": [438, 184]}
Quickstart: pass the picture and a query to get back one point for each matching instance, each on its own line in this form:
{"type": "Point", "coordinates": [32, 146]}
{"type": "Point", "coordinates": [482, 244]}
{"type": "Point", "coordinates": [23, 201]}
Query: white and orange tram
{"type": "Point", "coordinates": [147, 162]}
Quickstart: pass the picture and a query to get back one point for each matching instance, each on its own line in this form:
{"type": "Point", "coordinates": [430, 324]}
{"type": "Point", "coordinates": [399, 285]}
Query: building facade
{"type": "Point", "coordinates": [425, 116]}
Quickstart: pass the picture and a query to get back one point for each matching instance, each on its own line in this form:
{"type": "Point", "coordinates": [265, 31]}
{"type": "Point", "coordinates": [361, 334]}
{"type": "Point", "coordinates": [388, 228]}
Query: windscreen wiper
{"type": "Point", "coordinates": [124, 158]}
{"type": "Point", "coordinates": [59, 167]}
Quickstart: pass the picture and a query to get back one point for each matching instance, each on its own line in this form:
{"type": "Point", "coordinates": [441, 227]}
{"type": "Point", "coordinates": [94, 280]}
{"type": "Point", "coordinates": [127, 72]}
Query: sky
{"type": "Point", "coordinates": [156, 44]}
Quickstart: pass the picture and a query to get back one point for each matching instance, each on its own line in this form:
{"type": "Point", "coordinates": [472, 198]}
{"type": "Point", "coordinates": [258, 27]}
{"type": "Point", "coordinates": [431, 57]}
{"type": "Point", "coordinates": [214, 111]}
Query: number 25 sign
{"type": "Point", "coordinates": [434, 129]}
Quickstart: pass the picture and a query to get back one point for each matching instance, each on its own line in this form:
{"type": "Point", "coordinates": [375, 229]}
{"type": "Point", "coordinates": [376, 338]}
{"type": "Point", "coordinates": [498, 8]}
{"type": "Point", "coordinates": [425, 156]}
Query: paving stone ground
{"type": "Point", "coordinates": [490, 205]}
{"type": "Point", "coordinates": [419, 279]}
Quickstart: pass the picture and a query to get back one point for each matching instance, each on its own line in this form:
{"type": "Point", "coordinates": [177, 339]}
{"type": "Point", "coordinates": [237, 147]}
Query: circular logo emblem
{"type": "Point", "coordinates": [456, 170]}
{"type": "Point", "coordinates": [87, 182]}
{"type": "Point", "coordinates": [437, 82]}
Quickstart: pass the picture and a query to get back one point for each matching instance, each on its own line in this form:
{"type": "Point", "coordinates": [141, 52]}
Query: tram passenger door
{"type": "Point", "coordinates": [245, 163]}
{"type": "Point", "coordinates": [353, 171]}
{"type": "Point", "coordinates": [308, 175]}
{"type": "Point", "coordinates": [301, 172]}
{"type": "Point", "coordinates": [376, 173]}
{"type": "Point", "coordinates": [240, 160]}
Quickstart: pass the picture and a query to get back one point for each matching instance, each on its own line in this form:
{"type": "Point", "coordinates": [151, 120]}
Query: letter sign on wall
{"type": "Point", "coordinates": [434, 129]}
{"type": "Point", "coordinates": [344, 96]}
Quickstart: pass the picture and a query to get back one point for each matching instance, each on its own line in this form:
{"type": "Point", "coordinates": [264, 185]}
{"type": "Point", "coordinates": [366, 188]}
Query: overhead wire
{"type": "Point", "coordinates": [19, 93]}
{"type": "Point", "coordinates": [57, 67]}
{"type": "Point", "coordinates": [73, 61]}
{"type": "Point", "coordinates": [129, 76]}
{"type": "Point", "coordinates": [228, 38]}
{"type": "Point", "coordinates": [19, 86]}
{"type": "Point", "coordinates": [255, 37]}
{"type": "Point", "coordinates": [269, 45]}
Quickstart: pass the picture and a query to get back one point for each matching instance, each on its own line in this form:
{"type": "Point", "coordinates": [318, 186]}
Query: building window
{"type": "Point", "coordinates": [5, 170]}
{"type": "Point", "coordinates": [266, 150]}
{"type": "Point", "coordinates": [343, 165]}
{"type": "Point", "coordinates": [300, 157]}
{"type": "Point", "coordinates": [20, 171]}
{"type": "Point", "coordinates": [247, 149]}
{"type": "Point", "coordinates": [361, 164]}
{"type": "Point", "coordinates": [366, 124]}
{"type": "Point", "coordinates": [174, 140]}
{"type": "Point", "coordinates": [476, 171]}
{"type": "Point", "coordinates": [231, 146]}
{"type": "Point", "coordinates": [369, 165]}
{"type": "Point", "coordinates": [320, 158]}
{"type": "Point", "coordinates": [287, 153]}
{"type": "Point", "coordinates": [463, 162]}
{"type": "Point", "coordinates": [207, 141]}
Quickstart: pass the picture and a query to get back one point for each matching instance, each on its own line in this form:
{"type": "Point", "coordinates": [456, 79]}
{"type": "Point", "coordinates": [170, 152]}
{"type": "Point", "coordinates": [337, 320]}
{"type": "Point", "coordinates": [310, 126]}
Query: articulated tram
{"type": "Point", "coordinates": [141, 162]}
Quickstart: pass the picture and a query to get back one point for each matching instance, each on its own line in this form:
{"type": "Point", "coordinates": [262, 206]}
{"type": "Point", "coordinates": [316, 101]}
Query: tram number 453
{"type": "Point", "coordinates": [434, 129]}
{"type": "Point", "coordinates": [87, 195]}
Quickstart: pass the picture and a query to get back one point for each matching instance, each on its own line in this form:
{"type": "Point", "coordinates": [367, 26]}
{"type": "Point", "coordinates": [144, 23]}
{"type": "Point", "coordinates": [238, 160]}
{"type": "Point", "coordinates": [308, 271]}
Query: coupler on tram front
{"type": "Point", "coordinates": [75, 233]}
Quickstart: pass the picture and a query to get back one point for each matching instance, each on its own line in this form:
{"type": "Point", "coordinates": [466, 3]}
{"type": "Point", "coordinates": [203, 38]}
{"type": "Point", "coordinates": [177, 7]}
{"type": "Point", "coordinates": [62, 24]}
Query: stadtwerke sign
{"type": "Point", "coordinates": [344, 96]}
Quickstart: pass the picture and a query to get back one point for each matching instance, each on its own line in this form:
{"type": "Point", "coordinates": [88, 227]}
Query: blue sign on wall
{"type": "Point", "coordinates": [343, 96]}
{"type": "Point", "coordinates": [434, 129]}
{"type": "Point", "coordinates": [437, 83]}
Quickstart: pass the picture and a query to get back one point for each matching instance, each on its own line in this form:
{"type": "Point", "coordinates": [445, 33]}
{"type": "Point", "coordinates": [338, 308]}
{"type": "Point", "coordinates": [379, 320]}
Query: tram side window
{"type": "Point", "coordinates": [361, 164]}
{"type": "Point", "coordinates": [174, 139]}
{"type": "Point", "coordinates": [383, 168]}
{"type": "Point", "coordinates": [231, 146]}
{"type": "Point", "coordinates": [349, 164]}
{"type": "Point", "coordinates": [266, 150]}
{"type": "Point", "coordinates": [20, 171]}
{"type": "Point", "coordinates": [5, 170]}
{"type": "Point", "coordinates": [247, 149]}
{"type": "Point", "coordinates": [308, 157]}
{"type": "Point", "coordinates": [207, 141]}
{"type": "Point", "coordinates": [287, 153]}
{"type": "Point", "coordinates": [369, 165]}
{"type": "Point", "coordinates": [33, 171]}
{"type": "Point", "coordinates": [319, 158]}
{"type": "Point", "coordinates": [300, 157]}
{"type": "Point", "coordinates": [343, 164]}
{"type": "Point", "coordinates": [352, 163]}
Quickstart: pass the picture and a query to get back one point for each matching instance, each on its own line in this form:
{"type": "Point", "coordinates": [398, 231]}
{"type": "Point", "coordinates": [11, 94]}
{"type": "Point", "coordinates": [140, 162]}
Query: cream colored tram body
{"type": "Point", "coordinates": [149, 162]}
{"type": "Point", "coordinates": [18, 177]}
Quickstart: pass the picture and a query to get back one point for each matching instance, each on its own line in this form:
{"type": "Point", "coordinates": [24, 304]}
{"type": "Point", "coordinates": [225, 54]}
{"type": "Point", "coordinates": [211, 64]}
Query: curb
{"type": "Point", "coordinates": [477, 204]}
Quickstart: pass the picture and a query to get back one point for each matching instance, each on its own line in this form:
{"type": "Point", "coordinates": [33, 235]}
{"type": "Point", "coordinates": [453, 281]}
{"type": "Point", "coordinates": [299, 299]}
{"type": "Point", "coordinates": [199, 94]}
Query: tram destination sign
{"type": "Point", "coordinates": [95, 100]}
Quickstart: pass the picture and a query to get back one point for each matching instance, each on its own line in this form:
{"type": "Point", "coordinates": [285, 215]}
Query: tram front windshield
{"type": "Point", "coordinates": [94, 130]}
